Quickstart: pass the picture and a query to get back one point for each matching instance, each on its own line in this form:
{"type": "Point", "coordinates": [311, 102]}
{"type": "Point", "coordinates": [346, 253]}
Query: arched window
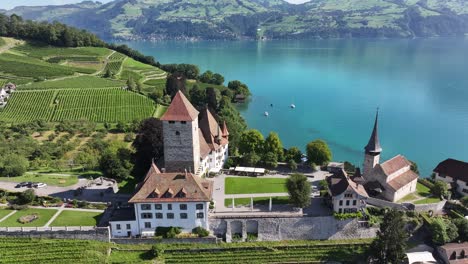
{"type": "Point", "coordinates": [462, 254]}
{"type": "Point", "coordinates": [453, 255]}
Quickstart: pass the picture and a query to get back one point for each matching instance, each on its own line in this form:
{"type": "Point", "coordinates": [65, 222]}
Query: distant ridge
{"type": "Point", "coordinates": [257, 19]}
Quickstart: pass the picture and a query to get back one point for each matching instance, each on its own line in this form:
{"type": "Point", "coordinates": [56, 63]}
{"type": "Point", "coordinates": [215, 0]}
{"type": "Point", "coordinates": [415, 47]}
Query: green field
{"type": "Point", "coordinates": [81, 82]}
{"type": "Point", "coordinates": [44, 216]}
{"type": "Point", "coordinates": [246, 185]}
{"type": "Point", "coordinates": [54, 180]}
{"type": "Point", "coordinates": [257, 201]}
{"type": "Point", "coordinates": [4, 212]}
{"type": "Point", "coordinates": [99, 105]}
{"type": "Point", "coordinates": [421, 191]}
{"type": "Point", "coordinates": [43, 51]}
{"type": "Point", "coordinates": [76, 218]}
{"type": "Point", "coordinates": [48, 251]}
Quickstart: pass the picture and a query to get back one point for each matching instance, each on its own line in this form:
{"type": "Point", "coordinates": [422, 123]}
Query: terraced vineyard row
{"type": "Point", "coordinates": [28, 106]}
{"type": "Point", "coordinates": [114, 63]}
{"type": "Point", "coordinates": [23, 250]}
{"type": "Point", "coordinates": [103, 105]}
{"type": "Point", "coordinates": [348, 253]}
{"type": "Point", "coordinates": [99, 105]}
{"type": "Point", "coordinates": [81, 82]}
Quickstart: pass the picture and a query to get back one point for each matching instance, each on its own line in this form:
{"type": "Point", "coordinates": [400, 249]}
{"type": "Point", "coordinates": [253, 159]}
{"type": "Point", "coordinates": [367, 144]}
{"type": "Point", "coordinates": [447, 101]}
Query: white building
{"type": "Point", "coordinates": [347, 194]}
{"type": "Point", "coordinates": [192, 144]}
{"type": "Point", "coordinates": [392, 179]}
{"type": "Point", "coordinates": [455, 173]}
{"type": "Point", "coordinates": [165, 199]}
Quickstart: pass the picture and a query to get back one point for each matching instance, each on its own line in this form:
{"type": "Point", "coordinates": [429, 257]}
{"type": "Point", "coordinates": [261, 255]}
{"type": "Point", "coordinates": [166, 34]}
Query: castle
{"type": "Point", "coordinates": [190, 144]}
{"type": "Point", "coordinates": [392, 179]}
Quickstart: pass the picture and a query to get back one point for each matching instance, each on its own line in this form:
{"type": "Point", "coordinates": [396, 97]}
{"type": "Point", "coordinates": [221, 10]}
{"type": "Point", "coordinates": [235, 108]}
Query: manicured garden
{"type": "Point", "coordinates": [43, 216]}
{"type": "Point", "coordinates": [246, 185]}
{"type": "Point", "coordinates": [54, 180]}
{"type": "Point", "coordinates": [46, 251]}
{"type": "Point", "coordinates": [77, 218]}
{"type": "Point", "coordinates": [257, 201]}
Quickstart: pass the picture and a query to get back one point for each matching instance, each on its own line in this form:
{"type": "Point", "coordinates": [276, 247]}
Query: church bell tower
{"type": "Point", "coordinates": [372, 149]}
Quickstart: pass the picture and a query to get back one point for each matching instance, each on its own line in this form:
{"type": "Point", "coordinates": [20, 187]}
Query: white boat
{"type": "Point", "coordinates": [266, 114]}
{"type": "Point", "coordinates": [293, 106]}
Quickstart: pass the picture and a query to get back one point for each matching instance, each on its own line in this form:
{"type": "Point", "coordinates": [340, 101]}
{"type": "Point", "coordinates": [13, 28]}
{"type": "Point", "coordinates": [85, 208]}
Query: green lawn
{"type": "Point", "coordinates": [257, 201]}
{"type": "Point", "coordinates": [54, 180]}
{"type": "Point", "coordinates": [236, 185]}
{"type": "Point", "coordinates": [422, 191]}
{"type": "Point", "coordinates": [427, 200]}
{"type": "Point", "coordinates": [77, 218]}
{"type": "Point", "coordinates": [4, 212]}
{"type": "Point", "coordinates": [160, 110]}
{"type": "Point", "coordinates": [409, 197]}
{"type": "Point", "coordinates": [44, 216]}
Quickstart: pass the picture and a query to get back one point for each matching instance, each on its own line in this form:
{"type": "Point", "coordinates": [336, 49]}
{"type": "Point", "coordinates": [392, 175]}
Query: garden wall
{"type": "Point", "coordinates": [205, 240]}
{"type": "Point", "coordinates": [291, 228]}
{"type": "Point", "coordinates": [434, 207]}
{"type": "Point", "coordinates": [382, 203]}
{"type": "Point", "coordinates": [98, 233]}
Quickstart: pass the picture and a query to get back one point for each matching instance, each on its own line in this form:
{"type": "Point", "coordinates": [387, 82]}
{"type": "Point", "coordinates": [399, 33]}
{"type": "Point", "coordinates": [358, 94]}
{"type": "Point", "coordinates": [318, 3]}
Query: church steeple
{"type": "Point", "coordinates": [373, 146]}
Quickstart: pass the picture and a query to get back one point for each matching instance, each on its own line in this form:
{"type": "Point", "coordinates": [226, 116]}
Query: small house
{"type": "Point", "coordinates": [454, 172]}
{"type": "Point", "coordinates": [347, 195]}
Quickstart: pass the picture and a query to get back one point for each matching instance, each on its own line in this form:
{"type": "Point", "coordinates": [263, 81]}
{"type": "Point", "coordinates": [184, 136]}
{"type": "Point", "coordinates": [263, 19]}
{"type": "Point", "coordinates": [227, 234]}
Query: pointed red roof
{"type": "Point", "coordinates": [180, 109]}
{"type": "Point", "coordinates": [225, 130]}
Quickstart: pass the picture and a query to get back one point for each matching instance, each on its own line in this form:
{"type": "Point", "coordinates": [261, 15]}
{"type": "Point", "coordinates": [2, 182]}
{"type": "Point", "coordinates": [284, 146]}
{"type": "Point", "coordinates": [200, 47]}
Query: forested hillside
{"type": "Point", "coordinates": [270, 19]}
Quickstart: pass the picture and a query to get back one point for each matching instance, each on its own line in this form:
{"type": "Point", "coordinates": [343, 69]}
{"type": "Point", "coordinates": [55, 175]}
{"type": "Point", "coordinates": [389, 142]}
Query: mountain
{"type": "Point", "coordinates": [270, 19]}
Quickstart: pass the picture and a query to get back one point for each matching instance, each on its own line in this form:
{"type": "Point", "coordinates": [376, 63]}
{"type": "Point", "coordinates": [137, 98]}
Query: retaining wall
{"type": "Point", "coordinates": [291, 228]}
{"type": "Point", "coordinates": [99, 233]}
{"type": "Point", "coordinates": [204, 240]}
{"type": "Point", "coordinates": [435, 207]}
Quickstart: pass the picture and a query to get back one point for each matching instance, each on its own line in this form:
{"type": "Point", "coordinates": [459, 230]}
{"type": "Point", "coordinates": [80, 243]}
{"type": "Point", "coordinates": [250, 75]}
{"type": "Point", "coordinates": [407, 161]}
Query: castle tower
{"type": "Point", "coordinates": [372, 150]}
{"type": "Point", "coordinates": [181, 136]}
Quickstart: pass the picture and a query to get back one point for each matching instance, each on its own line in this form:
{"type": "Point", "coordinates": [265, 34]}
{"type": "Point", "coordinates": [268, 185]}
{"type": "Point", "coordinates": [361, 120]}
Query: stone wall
{"type": "Point", "coordinates": [181, 146]}
{"type": "Point", "coordinates": [204, 240]}
{"type": "Point", "coordinates": [99, 234]}
{"type": "Point", "coordinates": [291, 228]}
{"type": "Point", "coordinates": [383, 203]}
{"type": "Point", "coordinates": [434, 207]}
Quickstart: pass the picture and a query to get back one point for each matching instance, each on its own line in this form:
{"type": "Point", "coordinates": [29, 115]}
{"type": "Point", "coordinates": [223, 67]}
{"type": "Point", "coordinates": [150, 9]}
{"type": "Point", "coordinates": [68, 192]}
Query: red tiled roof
{"type": "Point", "coordinates": [195, 189]}
{"type": "Point", "coordinates": [396, 163]}
{"type": "Point", "coordinates": [225, 130]}
{"type": "Point", "coordinates": [453, 168]}
{"type": "Point", "coordinates": [402, 180]}
{"type": "Point", "coordinates": [180, 109]}
{"type": "Point", "coordinates": [211, 131]}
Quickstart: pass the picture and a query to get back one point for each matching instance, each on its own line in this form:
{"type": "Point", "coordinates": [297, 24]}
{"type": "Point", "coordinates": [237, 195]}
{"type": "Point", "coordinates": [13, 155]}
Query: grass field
{"type": "Point", "coordinates": [238, 185]}
{"type": "Point", "coordinates": [257, 201]}
{"type": "Point", "coordinates": [421, 191]}
{"type": "Point", "coordinates": [53, 251]}
{"type": "Point", "coordinates": [43, 51]}
{"type": "Point", "coordinates": [76, 218]}
{"type": "Point", "coordinates": [44, 216]}
{"type": "Point", "coordinates": [54, 180]}
{"type": "Point", "coordinates": [4, 212]}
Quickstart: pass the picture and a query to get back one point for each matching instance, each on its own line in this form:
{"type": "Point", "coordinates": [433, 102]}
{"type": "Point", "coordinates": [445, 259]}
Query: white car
{"type": "Point", "coordinates": [40, 185]}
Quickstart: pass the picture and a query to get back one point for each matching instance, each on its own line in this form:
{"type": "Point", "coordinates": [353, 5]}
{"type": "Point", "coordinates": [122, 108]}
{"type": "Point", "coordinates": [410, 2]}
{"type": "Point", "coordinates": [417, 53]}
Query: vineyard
{"type": "Point", "coordinates": [114, 63]}
{"type": "Point", "coordinates": [30, 67]}
{"type": "Point", "coordinates": [45, 251]}
{"type": "Point", "coordinates": [310, 253]}
{"type": "Point", "coordinates": [81, 82]}
{"type": "Point", "coordinates": [43, 52]}
{"type": "Point", "coordinates": [99, 105]}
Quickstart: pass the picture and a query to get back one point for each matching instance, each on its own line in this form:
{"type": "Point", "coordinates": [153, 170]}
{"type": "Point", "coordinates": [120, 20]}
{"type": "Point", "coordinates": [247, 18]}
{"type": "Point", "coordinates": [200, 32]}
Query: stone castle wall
{"type": "Point", "coordinates": [293, 228]}
{"type": "Point", "coordinates": [99, 234]}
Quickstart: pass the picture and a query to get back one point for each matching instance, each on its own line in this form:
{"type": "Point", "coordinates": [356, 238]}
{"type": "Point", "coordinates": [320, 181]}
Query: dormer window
{"type": "Point", "coordinates": [156, 193]}
{"type": "Point", "coordinates": [182, 193]}
{"type": "Point", "coordinates": [169, 193]}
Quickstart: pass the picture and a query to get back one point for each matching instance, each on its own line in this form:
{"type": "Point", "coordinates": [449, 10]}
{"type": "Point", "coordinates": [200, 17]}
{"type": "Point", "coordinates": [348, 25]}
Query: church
{"type": "Point", "coordinates": [198, 146]}
{"type": "Point", "coordinates": [390, 180]}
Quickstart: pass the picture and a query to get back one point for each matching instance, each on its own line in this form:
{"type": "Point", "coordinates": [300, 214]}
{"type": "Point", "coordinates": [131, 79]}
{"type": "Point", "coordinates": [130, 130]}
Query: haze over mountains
{"type": "Point", "coordinates": [270, 19]}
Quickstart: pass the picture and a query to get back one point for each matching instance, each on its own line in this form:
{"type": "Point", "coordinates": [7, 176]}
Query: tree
{"type": "Point", "coordinates": [12, 165]}
{"type": "Point", "coordinates": [440, 188]}
{"type": "Point", "coordinates": [197, 97]}
{"type": "Point", "coordinates": [273, 145]}
{"type": "Point", "coordinates": [270, 160]}
{"type": "Point", "coordinates": [464, 201]}
{"type": "Point", "coordinates": [108, 73]}
{"type": "Point", "coordinates": [443, 231]}
{"type": "Point", "coordinates": [212, 97]}
{"type": "Point", "coordinates": [462, 227]}
{"type": "Point", "coordinates": [390, 244]}
{"type": "Point", "coordinates": [174, 83]}
{"type": "Point", "coordinates": [294, 153]}
{"type": "Point", "coordinates": [206, 77]}
{"type": "Point", "coordinates": [292, 165]}
{"type": "Point", "coordinates": [251, 141]}
{"type": "Point", "coordinates": [114, 166]}
{"type": "Point", "coordinates": [131, 85]}
{"type": "Point", "coordinates": [148, 145]}
{"type": "Point", "coordinates": [217, 79]}
{"type": "Point", "coordinates": [318, 152]}
{"type": "Point", "coordinates": [87, 159]}
{"type": "Point", "coordinates": [414, 167]}
{"type": "Point", "coordinates": [299, 190]}
{"type": "Point", "coordinates": [251, 159]}
{"type": "Point", "coordinates": [27, 197]}
{"type": "Point", "coordinates": [239, 88]}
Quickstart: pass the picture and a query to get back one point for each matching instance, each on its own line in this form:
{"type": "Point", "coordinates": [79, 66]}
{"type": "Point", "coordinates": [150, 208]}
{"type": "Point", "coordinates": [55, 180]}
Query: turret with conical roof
{"type": "Point", "coordinates": [372, 149]}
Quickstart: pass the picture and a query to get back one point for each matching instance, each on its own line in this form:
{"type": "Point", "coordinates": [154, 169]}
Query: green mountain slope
{"type": "Point", "coordinates": [235, 19]}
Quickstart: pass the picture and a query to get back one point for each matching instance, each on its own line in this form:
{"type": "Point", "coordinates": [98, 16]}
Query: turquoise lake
{"type": "Point", "coordinates": [420, 86]}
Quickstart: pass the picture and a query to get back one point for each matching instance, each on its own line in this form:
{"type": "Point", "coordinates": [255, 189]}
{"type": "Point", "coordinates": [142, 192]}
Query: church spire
{"type": "Point", "coordinates": [374, 145]}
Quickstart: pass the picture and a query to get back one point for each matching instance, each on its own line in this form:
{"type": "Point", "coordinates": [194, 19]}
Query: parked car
{"type": "Point", "coordinates": [39, 185]}
{"type": "Point", "coordinates": [22, 184]}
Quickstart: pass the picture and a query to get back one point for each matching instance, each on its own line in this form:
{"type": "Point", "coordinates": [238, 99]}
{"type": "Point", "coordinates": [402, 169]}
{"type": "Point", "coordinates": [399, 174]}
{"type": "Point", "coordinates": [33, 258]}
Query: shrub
{"type": "Point", "coordinates": [200, 231]}
{"type": "Point", "coordinates": [18, 207]}
{"type": "Point", "coordinates": [252, 237]}
{"type": "Point", "coordinates": [158, 250]}
{"type": "Point", "coordinates": [212, 205]}
{"type": "Point", "coordinates": [26, 197]}
{"type": "Point", "coordinates": [168, 232]}
{"type": "Point", "coordinates": [344, 216]}
{"type": "Point", "coordinates": [426, 183]}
